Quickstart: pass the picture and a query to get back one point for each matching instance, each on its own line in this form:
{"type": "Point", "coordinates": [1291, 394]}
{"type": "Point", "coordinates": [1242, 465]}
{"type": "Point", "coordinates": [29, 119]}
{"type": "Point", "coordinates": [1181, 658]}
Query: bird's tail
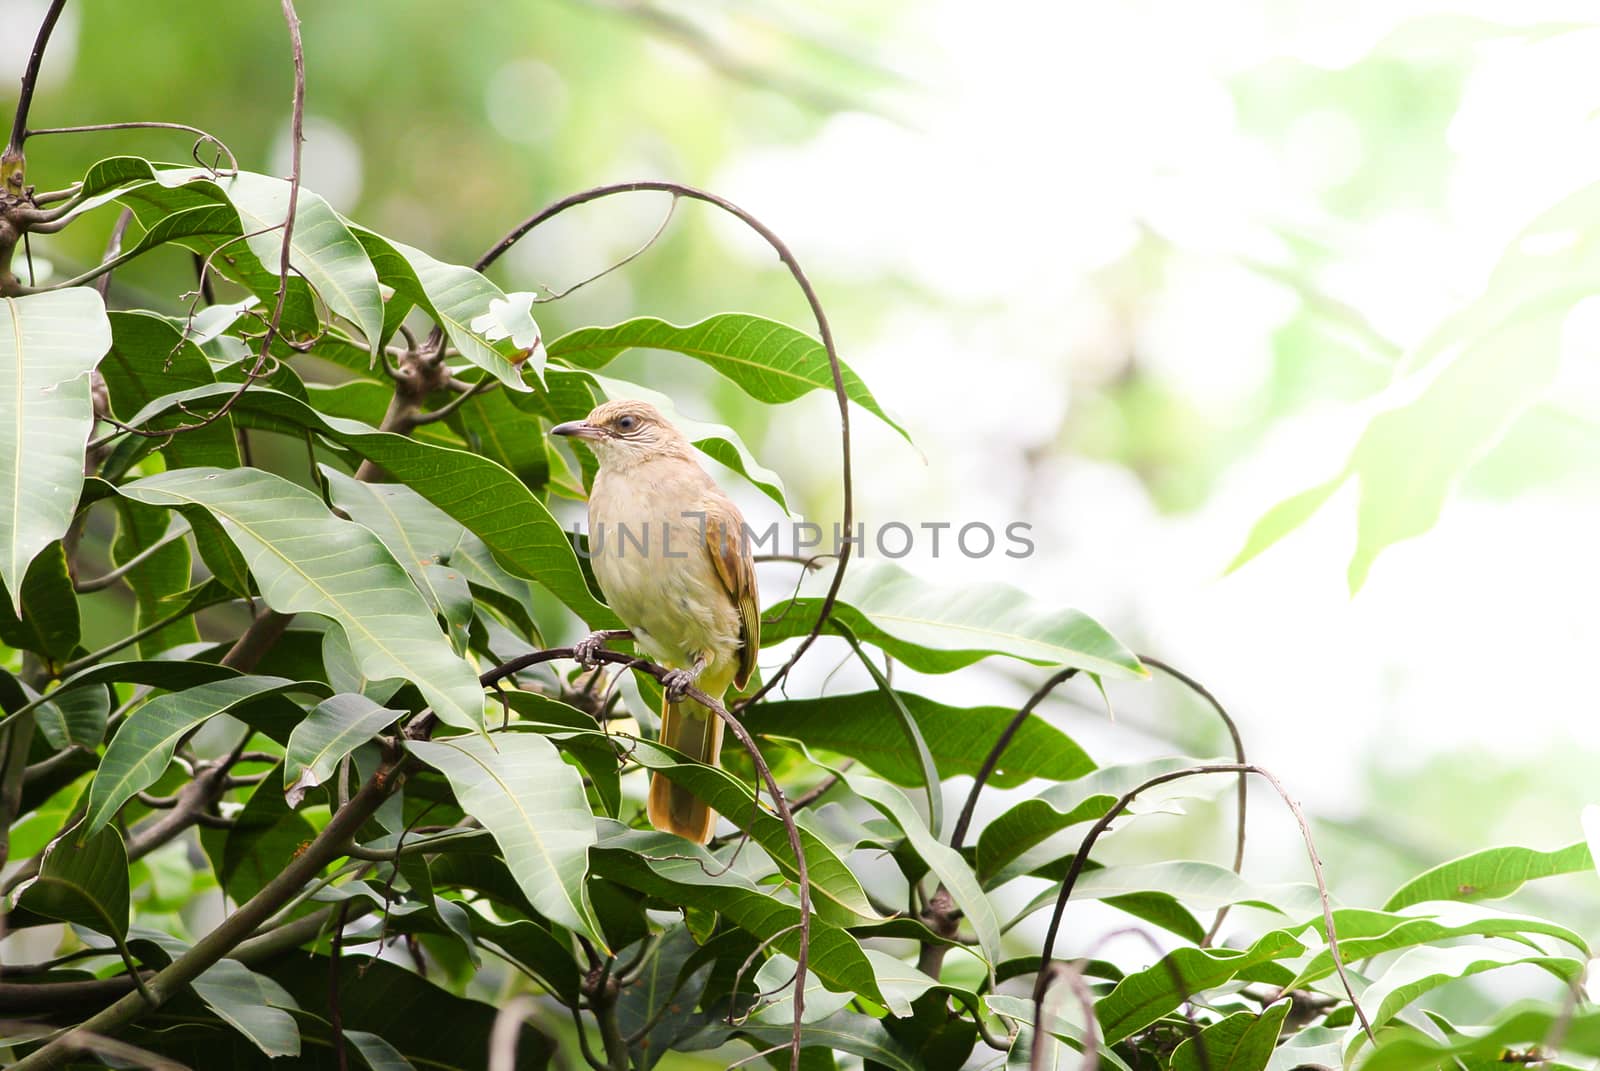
{"type": "Point", "coordinates": [697, 732]}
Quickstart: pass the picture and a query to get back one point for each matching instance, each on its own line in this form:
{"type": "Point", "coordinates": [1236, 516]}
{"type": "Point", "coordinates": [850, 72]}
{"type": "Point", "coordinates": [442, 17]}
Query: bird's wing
{"type": "Point", "coordinates": [730, 554]}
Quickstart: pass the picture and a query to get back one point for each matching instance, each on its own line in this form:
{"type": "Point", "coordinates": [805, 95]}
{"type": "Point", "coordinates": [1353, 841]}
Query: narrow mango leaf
{"type": "Point", "coordinates": [1422, 970]}
{"type": "Point", "coordinates": [149, 358]}
{"type": "Point", "coordinates": [333, 729]}
{"type": "Point", "coordinates": [1142, 998]}
{"type": "Point", "coordinates": [83, 879]}
{"type": "Point", "coordinates": [936, 629]}
{"type": "Point", "coordinates": [49, 624]}
{"type": "Point", "coordinates": [717, 441]}
{"type": "Point", "coordinates": [481, 495]}
{"type": "Point", "coordinates": [265, 837]}
{"type": "Point", "coordinates": [162, 576]}
{"type": "Point", "coordinates": [1524, 1027]}
{"type": "Point", "coordinates": [770, 361]}
{"type": "Point", "coordinates": [421, 548]}
{"type": "Point", "coordinates": [75, 717]}
{"type": "Point", "coordinates": [1242, 1042]}
{"type": "Point", "coordinates": [534, 950]}
{"type": "Point", "coordinates": [48, 344]}
{"type": "Point", "coordinates": [943, 860]}
{"type": "Point", "coordinates": [1363, 934]}
{"type": "Point", "coordinates": [252, 1004]}
{"type": "Point", "coordinates": [1032, 821]}
{"type": "Point", "coordinates": [144, 743]}
{"type": "Point", "coordinates": [306, 560]}
{"type": "Point", "coordinates": [1489, 874]}
{"type": "Point", "coordinates": [533, 802]}
{"type": "Point", "coordinates": [322, 251]}
{"type": "Point", "coordinates": [837, 893]}
{"type": "Point", "coordinates": [662, 865]}
{"type": "Point", "coordinates": [863, 726]}
{"type": "Point", "coordinates": [454, 296]}
{"type": "Point", "coordinates": [844, 1031]}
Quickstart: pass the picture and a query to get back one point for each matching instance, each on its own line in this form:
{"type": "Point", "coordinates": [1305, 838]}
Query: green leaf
{"type": "Point", "coordinates": [533, 802]}
{"type": "Point", "coordinates": [662, 997]}
{"type": "Point", "coordinates": [1242, 1042]}
{"type": "Point", "coordinates": [150, 358]}
{"type": "Point", "coordinates": [48, 344]}
{"type": "Point", "coordinates": [418, 535]}
{"type": "Point", "coordinates": [1525, 1026]}
{"type": "Point", "coordinates": [837, 894]}
{"type": "Point", "coordinates": [322, 251]}
{"type": "Point", "coordinates": [844, 1031]}
{"type": "Point", "coordinates": [307, 560]}
{"type": "Point", "coordinates": [911, 733]}
{"type": "Point", "coordinates": [769, 361]}
{"type": "Point", "coordinates": [75, 717]}
{"type": "Point", "coordinates": [333, 729]}
{"type": "Point", "coordinates": [863, 726]}
{"type": "Point", "coordinates": [161, 577]}
{"type": "Point", "coordinates": [83, 879]}
{"type": "Point", "coordinates": [1142, 998]}
{"type": "Point", "coordinates": [453, 296]}
{"type": "Point", "coordinates": [418, 1019]}
{"type": "Point", "coordinates": [1033, 821]}
{"type": "Point", "coordinates": [265, 838]}
{"type": "Point", "coordinates": [936, 629]}
{"type": "Point", "coordinates": [481, 495]}
{"type": "Point", "coordinates": [670, 868]}
{"type": "Point", "coordinates": [534, 950]}
{"type": "Point", "coordinates": [1364, 934]}
{"type": "Point", "coordinates": [1489, 874]}
{"type": "Point", "coordinates": [1424, 969]}
{"type": "Point", "coordinates": [49, 623]}
{"type": "Point", "coordinates": [947, 863]}
{"type": "Point", "coordinates": [1201, 886]}
{"type": "Point", "coordinates": [252, 1004]}
{"type": "Point", "coordinates": [717, 441]}
{"type": "Point", "coordinates": [144, 743]}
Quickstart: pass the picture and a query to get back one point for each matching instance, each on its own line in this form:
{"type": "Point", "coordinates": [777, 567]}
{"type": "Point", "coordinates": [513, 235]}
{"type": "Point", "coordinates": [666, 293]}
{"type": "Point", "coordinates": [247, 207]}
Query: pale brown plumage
{"type": "Point", "coordinates": [669, 551]}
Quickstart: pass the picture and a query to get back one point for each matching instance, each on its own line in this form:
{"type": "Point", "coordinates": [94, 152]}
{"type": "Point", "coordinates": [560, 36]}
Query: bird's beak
{"type": "Point", "coordinates": [578, 429]}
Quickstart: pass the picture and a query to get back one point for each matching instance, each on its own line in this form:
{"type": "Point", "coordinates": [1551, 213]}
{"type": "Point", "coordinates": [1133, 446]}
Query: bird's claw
{"type": "Point", "coordinates": [677, 683]}
{"type": "Point", "coordinates": [586, 652]}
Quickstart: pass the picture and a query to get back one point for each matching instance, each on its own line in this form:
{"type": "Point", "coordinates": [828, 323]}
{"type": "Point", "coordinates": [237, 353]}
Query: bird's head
{"type": "Point", "coordinates": [624, 433]}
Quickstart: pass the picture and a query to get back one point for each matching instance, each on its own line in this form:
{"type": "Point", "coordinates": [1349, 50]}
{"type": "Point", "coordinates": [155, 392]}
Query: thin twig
{"type": "Point", "coordinates": [30, 78]}
{"type": "Point", "coordinates": [823, 329]}
{"type": "Point", "coordinates": [1081, 858]}
{"type": "Point", "coordinates": [113, 248]}
{"type": "Point", "coordinates": [87, 128]}
{"type": "Point", "coordinates": [1243, 794]}
{"type": "Point", "coordinates": [992, 760]}
{"type": "Point", "coordinates": [624, 262]}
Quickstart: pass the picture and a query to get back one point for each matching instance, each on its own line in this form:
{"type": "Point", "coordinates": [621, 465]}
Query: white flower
{"type": "Point", "coordinates": [511, 317]}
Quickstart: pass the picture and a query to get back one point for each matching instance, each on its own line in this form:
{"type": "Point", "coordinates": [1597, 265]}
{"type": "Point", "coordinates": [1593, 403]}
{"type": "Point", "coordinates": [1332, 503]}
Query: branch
{"type": "Point", "coordinates": [823, 329]}
{"type": "Point", "coordinates": [327, 846]}
{"type": "Point", "coordinates": [1079, 860]}
{"type": "Point", "coordinates": [12, 161]}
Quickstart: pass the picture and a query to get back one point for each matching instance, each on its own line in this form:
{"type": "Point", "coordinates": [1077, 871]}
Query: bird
{"type": "Point", "coordinates": [668, 548]}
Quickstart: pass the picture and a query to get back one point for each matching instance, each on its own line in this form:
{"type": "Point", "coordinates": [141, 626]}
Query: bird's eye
{"type": "Point", "coordinates": [627, 423]}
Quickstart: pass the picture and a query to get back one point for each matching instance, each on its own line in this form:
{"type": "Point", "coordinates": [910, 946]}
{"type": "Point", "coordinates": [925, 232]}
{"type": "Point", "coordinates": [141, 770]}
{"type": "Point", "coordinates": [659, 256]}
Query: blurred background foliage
{"type": "Point", "coordinates": [1131, 272]}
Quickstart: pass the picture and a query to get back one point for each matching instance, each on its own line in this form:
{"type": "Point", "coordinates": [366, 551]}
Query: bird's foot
{"type": "Point", "coordinates": [677, 683]}
{"type": "Point", "coordinates": [586, 652]}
